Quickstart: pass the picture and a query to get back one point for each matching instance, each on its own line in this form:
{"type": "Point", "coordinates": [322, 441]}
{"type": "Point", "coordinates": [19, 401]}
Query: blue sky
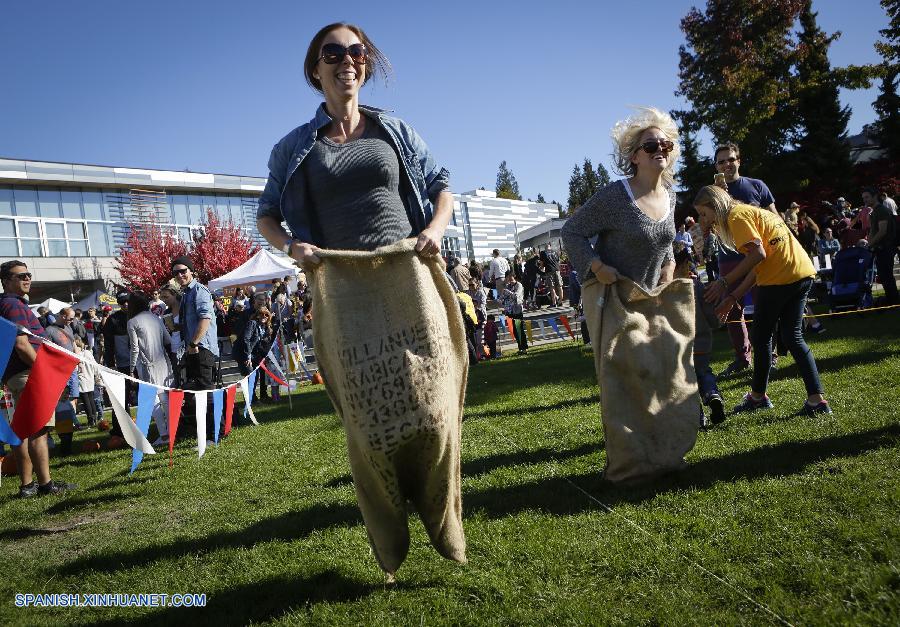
{"type": "Point", "coordinates": [211, 86]}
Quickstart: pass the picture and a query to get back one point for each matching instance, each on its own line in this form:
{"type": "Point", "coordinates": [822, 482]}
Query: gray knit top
{"type": "Point", "coordinates": [354, 192]}
{"type": "Point", "coordinates": [627, 239]}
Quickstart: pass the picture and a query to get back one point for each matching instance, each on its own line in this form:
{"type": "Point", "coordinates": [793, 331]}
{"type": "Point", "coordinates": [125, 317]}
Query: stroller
{"type": "Point", "coordinates": [851, 286]}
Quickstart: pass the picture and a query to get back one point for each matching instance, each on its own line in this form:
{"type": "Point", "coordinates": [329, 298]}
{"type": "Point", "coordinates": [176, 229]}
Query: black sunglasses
{"type": "Point", "coordinates": [180, 272]}
{"type": "Point", "coordinates": [651, 146]}
{"type": "Point", "coordinates": [725, 161]}
{"type": "Point", "coordinates": [22, 276]}
{"type": "Point", "coordinates": [335, 53]}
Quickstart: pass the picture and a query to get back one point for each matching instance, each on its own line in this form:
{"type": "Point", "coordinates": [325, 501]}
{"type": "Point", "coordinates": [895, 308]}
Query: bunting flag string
{"type": "Point", "coordinates": [218, 398]}
{"type": "Point", "coordinates": [49, 375]}
{"type": "Point", "coordinates": [529, 329]}
{"type": "Point", "coordinates": [176, 400]}
{"type": "Point", "coordinates": [146, 400]}
{"type": "Point", "coordinates": [115, 388]}
{"type": "Point", "coordinates": [565, 320]}
{"type": "Point", "coordinates": [510, 325]}
{"type": "Point", "coordinates": [247, 386]}
{"type": "Point", "coordinates": [273, 376]}
{"type": "Point", "coordinates": [502, 320]}
{"type": "Point", "coordinates": [200, 406]}
{"type": "Point", "coordinates": [555, 327]}
{"type": "Point", "coordinates": [229, 406]}
{"type": "Point", "coordinates": [543, 329]}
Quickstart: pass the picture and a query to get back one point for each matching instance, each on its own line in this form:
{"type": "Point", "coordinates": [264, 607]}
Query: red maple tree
{"type": "Point", "coordinates": [217, 248]}
{"type": "Point", "coordinates": [143, 262]}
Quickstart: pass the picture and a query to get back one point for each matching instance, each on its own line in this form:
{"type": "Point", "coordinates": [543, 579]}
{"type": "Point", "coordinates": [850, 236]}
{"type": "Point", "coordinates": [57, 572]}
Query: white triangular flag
{"type": "Point", "coordinates": [115, 387]}
{"type": "Point", "coordinates": [200, 404]}
{"type": "Point", "coordinates": [245, 389]}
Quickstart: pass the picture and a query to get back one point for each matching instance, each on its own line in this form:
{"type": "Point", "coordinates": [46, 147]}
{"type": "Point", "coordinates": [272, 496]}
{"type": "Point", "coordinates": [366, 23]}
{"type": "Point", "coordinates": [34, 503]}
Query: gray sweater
{"type": "Point", "coordinates": [627, 239]}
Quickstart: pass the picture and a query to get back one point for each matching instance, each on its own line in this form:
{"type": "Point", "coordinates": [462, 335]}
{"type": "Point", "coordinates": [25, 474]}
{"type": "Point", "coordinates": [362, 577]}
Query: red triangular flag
{"type": "Point", "coordinates": [509, 325]}
{"type": "Point", "coordinates": [176, 399]}
{"type": "Point", "coordinates": [229, 406]}
{"type": "Point", "coordinates": [49, 375]}
{"type": "Point", "coordinates": [565, 320]}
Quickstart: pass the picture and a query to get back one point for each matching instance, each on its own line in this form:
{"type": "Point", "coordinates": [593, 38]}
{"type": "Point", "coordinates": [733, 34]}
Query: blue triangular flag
{"type": "Point", "coordinates": [218, 405]}
{"type": "Point", "coordinates": [146, 401]}
{"type": "Point", "coordinates": [555, 327]}
{"type": "Point", "coordinates": [8, 332]}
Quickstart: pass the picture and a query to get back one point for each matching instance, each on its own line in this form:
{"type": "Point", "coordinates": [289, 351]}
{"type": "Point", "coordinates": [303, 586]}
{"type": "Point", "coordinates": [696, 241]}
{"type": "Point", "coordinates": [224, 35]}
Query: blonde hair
{"type": "Point", "coordinates": [626, 135]}
{"type": "Point", "coordinates": [721, 202]}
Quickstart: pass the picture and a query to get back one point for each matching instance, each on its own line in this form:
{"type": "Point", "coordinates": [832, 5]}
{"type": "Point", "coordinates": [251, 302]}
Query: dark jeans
{"type": "Point", "coordinates": [90, 407]}
{"type": "Point", "coordinates": [706, 380]}
{"type": "Point", "coordinates": [519, 331]}
{"type": "Point", "coordinates": [782, 305]}
{"type": "Point", "coordinates": [200, 371]}
{"type": "Point", "coordinates": [884, 265]}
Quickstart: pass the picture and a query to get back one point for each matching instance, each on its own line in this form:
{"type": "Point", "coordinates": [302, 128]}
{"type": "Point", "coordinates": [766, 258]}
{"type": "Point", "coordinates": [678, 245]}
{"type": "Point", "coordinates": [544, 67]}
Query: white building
{"type": "Point", "coordinates": [484, 222]}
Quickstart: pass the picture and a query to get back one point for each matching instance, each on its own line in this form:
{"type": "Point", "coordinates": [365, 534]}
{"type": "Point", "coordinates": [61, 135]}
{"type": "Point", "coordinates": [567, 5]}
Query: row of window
{"type": "Point", "coordinates": [95, 204]}
{"type": "Point", "coordinates": [23, 237]}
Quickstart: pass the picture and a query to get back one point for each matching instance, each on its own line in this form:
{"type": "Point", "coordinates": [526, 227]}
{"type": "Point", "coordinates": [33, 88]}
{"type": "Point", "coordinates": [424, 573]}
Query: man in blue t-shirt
{"type": "Point", "coordinates": [752, 192]}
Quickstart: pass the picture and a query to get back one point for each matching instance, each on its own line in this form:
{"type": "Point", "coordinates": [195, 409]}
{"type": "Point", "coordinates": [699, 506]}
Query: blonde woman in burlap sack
{"type": "Point", "coordinates": [641, 322]}
{"type": "Point", "coordinates": [367, 206]}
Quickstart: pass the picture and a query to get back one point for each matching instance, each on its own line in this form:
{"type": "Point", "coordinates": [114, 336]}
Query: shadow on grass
{"type": "Point", "coordinates": [264, 601]}
{"type": "Point", "coordinates": [286, 528]}
{"type": "Point", "coordinates": [572, 402]}
{"type": "Point", "coordinates": [484, 465]}
{"type": "Point", "coordinates": [836, 363]}
{"type": "Point", "coordinates": [557, 496]}
{"type": "Point", "coordinates": [85, 502]}
{"type": "Point", "coordinates": [305, 406]}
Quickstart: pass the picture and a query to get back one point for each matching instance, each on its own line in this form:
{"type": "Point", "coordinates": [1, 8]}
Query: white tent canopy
{"type": "Point", "coordinates": [261, 267]}
{"type": "Point", "coordinates": [52, 304]}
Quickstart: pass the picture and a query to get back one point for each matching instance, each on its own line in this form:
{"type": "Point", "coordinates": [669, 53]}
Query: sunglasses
{"type": "Point", "coordinates": [335, 53]}
{"type": "Point", "coordinates": [181, 272]}
{"type": "Point", "coordinates": [22, 276]}
{"type": "Point", "coordinates": [726, 161]}
{"type": "Point", "coordinates": [652, 146]}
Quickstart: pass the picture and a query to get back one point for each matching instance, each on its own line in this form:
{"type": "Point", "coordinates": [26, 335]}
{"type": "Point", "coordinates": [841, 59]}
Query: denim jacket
{"type": "Point", "coordinates": [197, 304]}
{"type": "Point", "coordinates": [425, 179]}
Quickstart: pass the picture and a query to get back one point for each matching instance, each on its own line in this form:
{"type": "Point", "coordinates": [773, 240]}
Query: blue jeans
{"type": "Point", "coordinates": [782, 305]}
{"type": "Point", "coordinates": [706, 380]}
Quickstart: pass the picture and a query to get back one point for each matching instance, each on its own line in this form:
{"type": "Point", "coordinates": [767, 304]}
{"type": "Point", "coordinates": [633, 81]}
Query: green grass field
{"type": "Point", "coordinates": [778, 518]}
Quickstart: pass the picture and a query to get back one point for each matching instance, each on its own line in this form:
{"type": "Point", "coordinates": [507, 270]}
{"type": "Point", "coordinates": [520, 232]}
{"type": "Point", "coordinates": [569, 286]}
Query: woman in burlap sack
{"type": "Point", "coordinates": [641, 322]}
{"type": "Point", "coordinates": [367, 206]}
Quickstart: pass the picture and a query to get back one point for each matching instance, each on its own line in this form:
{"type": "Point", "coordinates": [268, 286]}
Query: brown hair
{"type": "Point", "coordinates": [376, 62]}
{"type": "Point", "coordinates": [727, 146]}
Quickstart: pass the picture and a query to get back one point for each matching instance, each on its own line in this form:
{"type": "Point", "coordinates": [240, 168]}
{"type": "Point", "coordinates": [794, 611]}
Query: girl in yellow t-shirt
{"type": "Point", "coordinates": [777, 264]}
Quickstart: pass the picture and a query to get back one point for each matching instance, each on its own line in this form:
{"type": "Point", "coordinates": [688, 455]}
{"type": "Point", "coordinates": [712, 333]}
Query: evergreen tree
{"type": "Point", "coordinates": [507, 187]}
{"type": "Point", "coordinates": [823, 151]}
{"type": "Point", "coordinates": [602, 176]}
{"type": "Point", "coordinates": [576, 182]}
{"type": "Point", "coordinates": [887, 105]}
{"type": "Point", "coordinates": [540, 198]}
{"type": "Point", "coordinates": [589, 180]}
{"type": "Point", "coordinates": [694, 171]}
{"type": "Point", "coordinates": [559, 208]}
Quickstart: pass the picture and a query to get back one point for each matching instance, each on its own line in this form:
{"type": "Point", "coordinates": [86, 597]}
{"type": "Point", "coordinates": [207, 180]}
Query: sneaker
{"type": "Point", "coordinates": [733, 368]}
{"type": "Point", "coordinates": [748, 404]}
{"type": "Point", "coordinates": [28, 490]}
{"type": "Point", "coordinates": [812, 410]}
{"type": "Point", "coordinates": [718, 409]}
{"type": "Point", "coordinates": [55, 487]}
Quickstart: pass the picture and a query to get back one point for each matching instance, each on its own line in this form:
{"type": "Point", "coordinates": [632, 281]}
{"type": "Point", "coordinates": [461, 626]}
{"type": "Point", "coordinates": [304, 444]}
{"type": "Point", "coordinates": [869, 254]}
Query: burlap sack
{"type": "Point", "coordinates": [643, 345]}
{"type": "Point", "coordinates": [391, 347]}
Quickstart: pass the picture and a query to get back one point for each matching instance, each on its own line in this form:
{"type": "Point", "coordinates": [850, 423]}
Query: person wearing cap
{"type": "Point", "coordinates": [197, 322]}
